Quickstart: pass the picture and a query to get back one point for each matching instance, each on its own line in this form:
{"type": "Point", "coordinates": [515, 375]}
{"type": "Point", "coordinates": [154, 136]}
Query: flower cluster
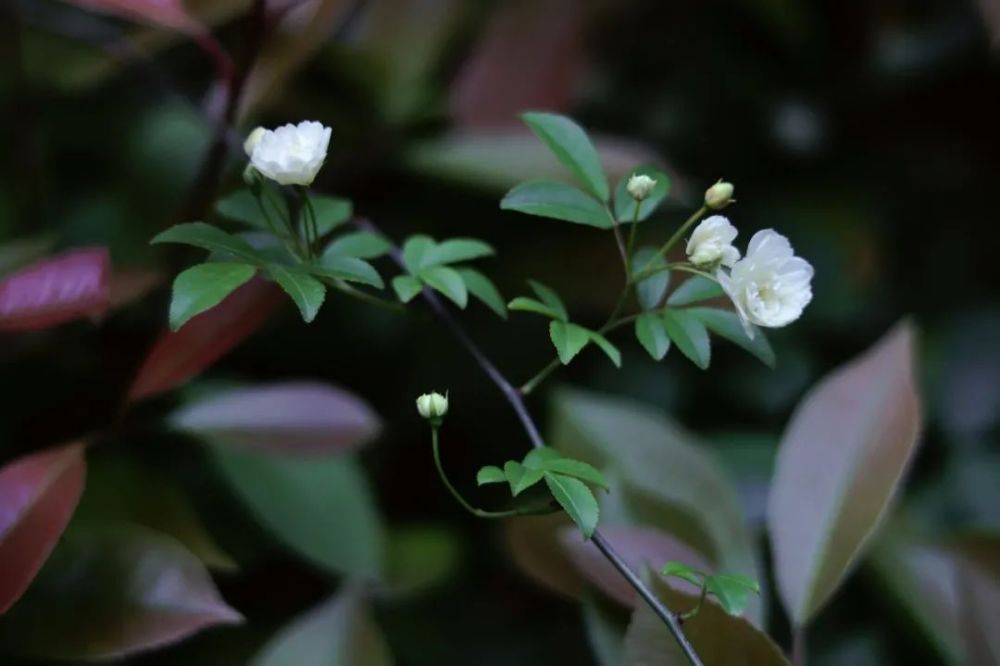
{"type": "Point", "coordinates": [769, 287]}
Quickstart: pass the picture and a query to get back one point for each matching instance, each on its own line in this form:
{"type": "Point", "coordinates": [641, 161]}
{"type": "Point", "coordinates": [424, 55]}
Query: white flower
{"type": "Point", "coordinates": [640, 186]}
{"type": "Point", "coordinates": [432, 406]}
{"type": "Point", "coordinates": [291, 154]}
{"type": "Point", "coordinates": [770, 286]}
{"type": "Point", "coordinates": [711, 243]}
{"type": "Point", "coordinates": [253, 138]}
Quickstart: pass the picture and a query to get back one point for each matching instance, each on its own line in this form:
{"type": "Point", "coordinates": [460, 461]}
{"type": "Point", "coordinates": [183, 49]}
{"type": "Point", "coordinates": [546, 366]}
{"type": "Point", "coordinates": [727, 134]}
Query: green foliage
{"type": "Point", "coordinates": [690, 336]}
{"type": "Point", "coordinates": [306, 291]}
{"type": "Point", "coordinates": [430, 264]}
{"type": "Point", "coordinates": [625, 204]}
{"type": "Point", "coordinates": [565, 477]}
{"type": "Point", "coordinates": [571, 145]}
{"type": "Point", "coordinates": [650, 290]}
{"type": "Point", "coordinates": [559, 201]}
{"type": "Point", "coordinates": [203, 286]}
{"type": "Point", "coordinates": [694, 289]}
{"type": "Point", "coordinates": [209, 238]}
{"type": "Point", "coordinates": [652, 335]}
{"type": "Point", "coordinates": [731, 590]}
{"type": "Point", "coordinates": [358, 244]}
{"type": "Point", "coordinates": [331, 212]}
{"type": "Point", "coordinates": [346, 268]}
{"type": "Point", "coordinates": [568, 339]}
{"type": "Point", "coordinates": [726, 324]}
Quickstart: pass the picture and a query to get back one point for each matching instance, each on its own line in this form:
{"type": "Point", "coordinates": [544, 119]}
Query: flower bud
{"type": "Point", "coordinates": [252, 140]}
{"type": "Point", "coordinates": [640, 186]}
{"type": "Point", "coordinates": [432, 406]}
{"type": "Point", "coordinates": [719, 195]}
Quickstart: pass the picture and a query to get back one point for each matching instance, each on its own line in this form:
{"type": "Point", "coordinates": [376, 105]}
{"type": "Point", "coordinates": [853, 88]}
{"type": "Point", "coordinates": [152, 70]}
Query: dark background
{"type": "Point", "coordinates": [865, 131]}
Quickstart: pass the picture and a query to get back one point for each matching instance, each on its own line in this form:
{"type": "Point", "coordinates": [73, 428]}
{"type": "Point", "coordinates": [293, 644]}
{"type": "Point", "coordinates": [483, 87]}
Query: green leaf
{"type": "Point", "coordinates": [652, 335]}
{"type": "Point", "coordinates": [577, 469]}
{"type": "Point", "coordinates": [241, 206]}
{"type": "Point", "coordinates": [568, 339]}
{"type": "Point", "coordinates": [717, 637]}
{"type": "Point", "coordinates": [415, 249]}
{"type": "Point", "coordinates": [514, 473]}
{"type": "Point", "coordinates": [625, 204]}
{"type": "Point", "coordinates": [455, 250]}
{"type": "Point", "coordinates": [407, 287]}
{"type": "Point", "coordinates": [537, 458]}
{"type": "Point", "coordinates": [559, 201]}
{"type": "Point", "coordinates": [208, 238]}
{"type": "Point", "coordinates": [341, 631]}
{"type": "Point", "coordinates": [732, 591]}
{"type": "Point", "coordinates": [321, 508]}
{"type": "Point", "coordinates": [571, 145]}
{"type": "Point", "coordinates": [610, 350]}
{"type": "Point", "coordinates": [349, 269]}
{"type": "Point", "coordinates": [331, 212]}
{"type": "Point", "coordinates": [650, 291]}
{"type": "Point", "coordinates": [420, 557]}
{"type": "Point", "coordinates": [684, 572]}
{"type": "Point", "coordinates": [576, 499]}
{"type": "Point", "coordinates": [525, 304]}
{"type": "Point", "coordinates": [840, 463]}
{"type": "Point", "coordinates": [447, 281]}
{"type": "Point", "coordinates": [490, 474]}
{"type": "Point", "coordinates": [527, 478]}
{"type": "Point", "coordinates": [483, 288]}
{"type": "Point", "coordinates": [204, 286]}
{"type": "Point", "coordinates": [307, 292]}
{"type": "Point", "coordinates": [690, 336]}
{"type": "Point", "coordinates": [726, 324]}
{"type": "Point", "coordinates": [550, 298]}
{"type": "Point", "coordinates": [360, 244]}
{"type": "Point", "coordinates": [694, 289]}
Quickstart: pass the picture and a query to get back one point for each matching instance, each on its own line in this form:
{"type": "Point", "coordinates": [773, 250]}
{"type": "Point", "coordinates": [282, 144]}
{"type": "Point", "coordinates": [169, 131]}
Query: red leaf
{"type": "Point", "coordinates": [641, 548]}
{"type": "Point", "coordinates": [162, 13]}
{"type": "Point", "coordinates": [112, 590]}
{"type": "Point", "coordinates": [288, 417]}
{"type": "Point", "coordinates": [56, 290]}
{"type": "Point", "coordinates": [38, 494]}
{"type": "Point", "coordinates": [531, 56]}
{"type": "Point", "coordinates": [179, 356]}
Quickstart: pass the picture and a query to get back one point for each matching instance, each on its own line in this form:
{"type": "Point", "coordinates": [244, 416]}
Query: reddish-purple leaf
{"type": "Point", "coordinates": [163, 13]}
{"type": "Point", "coordinates": [642, 548]}
{"type": "Point", "coordinates": [289, 417]}
{"type": "Point", "coordinates": [56, 290]}
{"type": "Point", "coordinates": [113, 590]}
{"type": "Point", "coordinates": [530, 57]}
{"type": "Point", "coordinates": [535, 547]}
{"type": "Point", "coordinates": [840, 462]}
{"type": "Point", "coordinates": [38, 494]}
{"type": "Point", "coordinates": [178, 356]}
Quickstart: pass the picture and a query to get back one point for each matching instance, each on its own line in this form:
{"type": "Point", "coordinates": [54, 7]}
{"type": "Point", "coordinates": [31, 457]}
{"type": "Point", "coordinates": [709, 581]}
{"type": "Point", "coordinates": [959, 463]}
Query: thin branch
{"type": "Point", "coordinates": [516, 401]}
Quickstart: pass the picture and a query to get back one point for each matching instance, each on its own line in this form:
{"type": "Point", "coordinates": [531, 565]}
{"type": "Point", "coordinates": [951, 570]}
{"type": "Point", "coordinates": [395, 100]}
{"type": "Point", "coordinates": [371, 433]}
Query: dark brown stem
{"type": "Point", "coordinates": [214, 161]}
{"type": "Point", "coordinates": [516, 401]}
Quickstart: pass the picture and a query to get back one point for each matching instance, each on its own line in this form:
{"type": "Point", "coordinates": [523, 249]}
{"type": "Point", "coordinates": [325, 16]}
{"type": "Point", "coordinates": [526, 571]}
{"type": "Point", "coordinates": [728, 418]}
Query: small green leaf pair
{"type": "Point", "coordinates": [242, 206]}
{"type": "Point", "coordinates": [566, 479]}
{"type": "Point", "coordinates": [429, 263]}
{"type": "Point", "coordinates": [731, 590]}
{"type": "Point", "coordinates": [568, 338]}
{"type": "Point", "coordinates": [574, 149]}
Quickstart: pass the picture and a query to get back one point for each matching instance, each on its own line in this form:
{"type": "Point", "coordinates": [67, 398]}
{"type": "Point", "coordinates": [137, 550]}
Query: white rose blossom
{"type": "Point", "coordinates": [291, 154]}
{"type": "Point", "coordinates": [770, 287]}
{"type": "Point", "coordinates": [711, 243]}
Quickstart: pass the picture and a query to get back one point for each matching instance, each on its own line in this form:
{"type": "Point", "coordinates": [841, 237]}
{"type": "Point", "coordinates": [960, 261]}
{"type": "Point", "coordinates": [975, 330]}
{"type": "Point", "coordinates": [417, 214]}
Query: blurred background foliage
{"type": "Point", "coordinates": [866, 132]}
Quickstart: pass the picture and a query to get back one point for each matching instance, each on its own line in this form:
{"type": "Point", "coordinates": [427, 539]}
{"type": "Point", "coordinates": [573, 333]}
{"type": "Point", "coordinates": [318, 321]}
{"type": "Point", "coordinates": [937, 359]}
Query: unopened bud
{"type": "Point", "coordinates": [640, 186]}
{"type": "Point", "coordinates": [432, 406]}
{"type": "Point", "coordinates": [719, 195]}
{"type": "Point", "coordinates": [252, 140]}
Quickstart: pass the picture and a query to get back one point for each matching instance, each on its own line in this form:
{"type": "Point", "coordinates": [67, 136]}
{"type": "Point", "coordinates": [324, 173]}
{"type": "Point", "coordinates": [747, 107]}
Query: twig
{"type": "Point", "coordinates": [516, 401]}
